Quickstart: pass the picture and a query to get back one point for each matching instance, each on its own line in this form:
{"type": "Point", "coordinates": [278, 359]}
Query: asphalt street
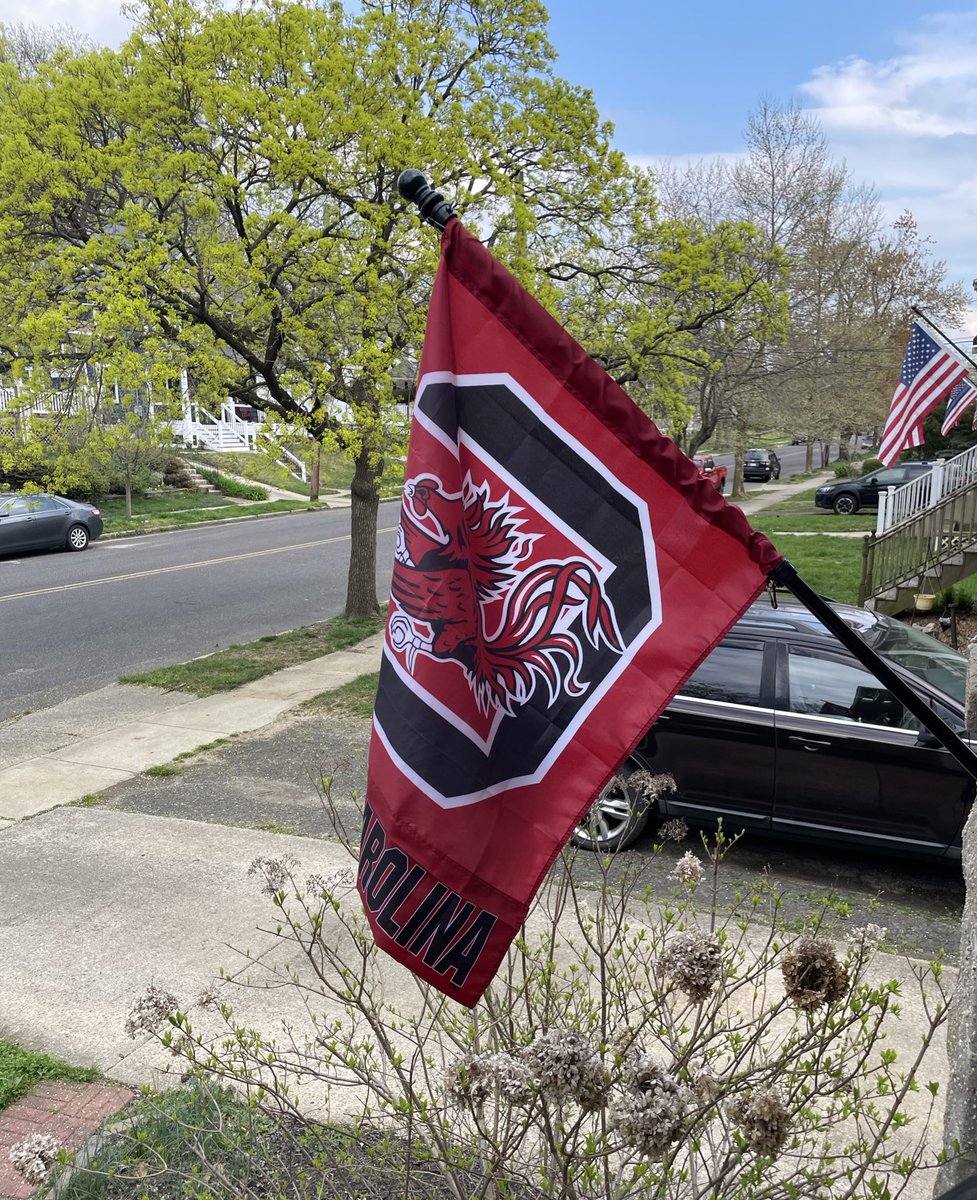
{"type": "Point", "coordinates": [70, 623]}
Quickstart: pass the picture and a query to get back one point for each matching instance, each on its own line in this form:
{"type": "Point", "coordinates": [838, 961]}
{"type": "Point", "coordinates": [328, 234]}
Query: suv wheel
{"type": "Point", "coordinates": [616, 817]}
{"type": "Point", "coordinates": [846, 504]}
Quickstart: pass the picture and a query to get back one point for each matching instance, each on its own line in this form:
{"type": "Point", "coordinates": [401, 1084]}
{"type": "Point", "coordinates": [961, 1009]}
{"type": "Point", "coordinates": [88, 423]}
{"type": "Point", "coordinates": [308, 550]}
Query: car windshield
{"type": "Point", "coordinates": [929, 660]}
{"type": "Point", "coordinates": [922, 655]}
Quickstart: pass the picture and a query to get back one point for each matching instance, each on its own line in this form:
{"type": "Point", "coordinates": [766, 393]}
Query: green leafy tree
{"type": "Point", "coordinates": [221, 191]}
{"type": "Point", "coordinates": [220, 194]}
{"type": "Point", "coordinates": [847, 279]}
{"type": "Point", "coordinates": [131, 450]}
{"type": "Point", "coordinates": [658, 297]}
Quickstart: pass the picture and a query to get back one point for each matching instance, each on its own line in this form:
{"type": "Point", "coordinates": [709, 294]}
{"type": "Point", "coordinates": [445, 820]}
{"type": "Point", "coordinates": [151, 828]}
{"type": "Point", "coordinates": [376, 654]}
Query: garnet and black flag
{"type": "Point", "coordinates": [560, 570]}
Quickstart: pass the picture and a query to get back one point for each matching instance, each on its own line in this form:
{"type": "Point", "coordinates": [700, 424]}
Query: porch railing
{"type": "Point", "coordinates": [909, 553]}
{"type": "Point", "coordinates": [947, 477]}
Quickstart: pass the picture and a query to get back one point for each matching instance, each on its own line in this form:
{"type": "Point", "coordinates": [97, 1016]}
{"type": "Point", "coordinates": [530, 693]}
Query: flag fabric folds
{"type": "Point", "coordinates": [960, 399]}
{"type": "Point", "coordinates": [559, 572]}
{"type": "Point", "coordinates": [928, 373]}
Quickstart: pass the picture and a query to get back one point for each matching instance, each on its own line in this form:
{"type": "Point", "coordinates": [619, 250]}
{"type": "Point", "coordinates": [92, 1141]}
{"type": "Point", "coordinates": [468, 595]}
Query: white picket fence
{"type": "Point", "coordinates": [948, 476]}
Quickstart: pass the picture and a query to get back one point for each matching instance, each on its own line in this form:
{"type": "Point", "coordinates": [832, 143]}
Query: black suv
{"type": "Point", "coordinates": [761, 465]}
{"type": "Point", "coordinates": [849, 495]}
{"type": "Point", "coordinates": [780, 730]}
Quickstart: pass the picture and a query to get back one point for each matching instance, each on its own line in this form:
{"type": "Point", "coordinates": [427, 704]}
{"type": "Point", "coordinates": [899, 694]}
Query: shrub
{"type": "Point", "coordinates": [956, 595]}
{"type": "Point", "coordinates": [845, 470]}
{"type": "Point", "coordinates": [870, 465]}
{"type": "Point", "coordinates": [632, 1045]}
{"type": "Point", "coordinates": [176, 474]}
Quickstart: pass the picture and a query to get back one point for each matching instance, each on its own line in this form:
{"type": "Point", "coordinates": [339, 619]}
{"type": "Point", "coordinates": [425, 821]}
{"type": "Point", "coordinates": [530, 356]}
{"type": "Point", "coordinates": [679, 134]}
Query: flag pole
{"type": "Point", "coordinates": [933, 325]}
{"type": "Point", "coordinates": [434, 208]}
{"type": "Point", "coordinates": [786, 576]}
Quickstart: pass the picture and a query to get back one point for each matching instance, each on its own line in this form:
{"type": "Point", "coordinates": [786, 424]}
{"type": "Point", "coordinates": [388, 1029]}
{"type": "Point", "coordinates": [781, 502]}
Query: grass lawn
{"type": "Point", "coordinates": [353, 699]}
{"type": "Point", "coordinates": [799, 513]}
{"type": "Point", "coordinates": [228, 669]}
{"type": "Point", "coordinates": [335, 471]}
{"type": "Point", "coordinates": [154, 513]}
{"type": "Point", "coordinates": [20, 1069]}
{"type": "Point", "coordinates": [830, 565]}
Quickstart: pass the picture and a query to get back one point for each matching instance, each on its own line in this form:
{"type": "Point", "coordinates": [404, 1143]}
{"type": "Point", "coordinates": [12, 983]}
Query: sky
{"type": "Point", "coordinates": [892, 82]}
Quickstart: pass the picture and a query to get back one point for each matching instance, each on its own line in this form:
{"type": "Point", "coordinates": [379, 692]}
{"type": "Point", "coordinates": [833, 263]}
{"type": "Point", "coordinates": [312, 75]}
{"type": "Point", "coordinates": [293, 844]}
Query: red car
{"type": "Point", "coordinates": [709, 469]}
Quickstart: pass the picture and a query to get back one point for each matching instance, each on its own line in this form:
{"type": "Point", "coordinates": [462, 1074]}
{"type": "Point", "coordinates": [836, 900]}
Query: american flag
{"type": "Point", "coordinates": [928, 373]}
{"type": "Point", "coordinates": [959, 400]}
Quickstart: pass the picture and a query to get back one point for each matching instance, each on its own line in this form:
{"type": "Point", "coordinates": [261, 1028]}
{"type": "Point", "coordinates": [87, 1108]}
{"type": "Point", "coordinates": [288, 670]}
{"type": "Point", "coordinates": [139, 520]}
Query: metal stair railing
{"type": "Point", "coordinates": [919, 545]}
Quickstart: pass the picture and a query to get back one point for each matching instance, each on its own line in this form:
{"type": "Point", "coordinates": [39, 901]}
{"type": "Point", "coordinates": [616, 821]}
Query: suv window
{"type": "Point", "coordinates": [825, 686]}
{"type": "Point", "coordinates": [891, 476]}
{"type": "Point", "coordinates": [732, 673]}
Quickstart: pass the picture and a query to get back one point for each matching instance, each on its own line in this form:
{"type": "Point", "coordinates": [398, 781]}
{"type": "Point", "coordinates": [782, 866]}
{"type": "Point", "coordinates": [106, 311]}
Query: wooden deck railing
{"type": "Point", "coordinates": [919, 545]}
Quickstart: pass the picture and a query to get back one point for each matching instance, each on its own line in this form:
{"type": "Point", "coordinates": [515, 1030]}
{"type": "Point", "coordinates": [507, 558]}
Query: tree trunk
{"type": "Point", "coordinates": [361, 582]}
{"type": "Point", "coordinates": [315, 472]}
{"type": "Point", "coordinates": [128, 497]}
{"type": "Point", "coordinates": [738, 491]}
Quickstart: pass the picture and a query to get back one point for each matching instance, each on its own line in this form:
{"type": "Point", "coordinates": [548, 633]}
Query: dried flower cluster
{"type": "Point", "coordinates": [567, 1067]}
{"type": "Point", "coordinates": [150, 1010]}
{"type": "Point", "coordinates": [275, 873]}
{"type": "Point", "coordinates": [651, 786]}
{"type": "Point", "coordinates": [650, 1116]}
{"type": "Point", "coordinates": [674, 830]}
{"type": "Point", "coordinates": [688, 871]}
{"type": "Point", "coordinates": [762, 1118]}
{"type": "Point", "coordinates": [34, 1156]}
{"type": "Point", "coordinates": [868, 938]}
{"type": "Point", "coordinates": [812, 974]}
{"type": "Point", "coordinates": [693, 960]}
{"type": "Point", "coordinates": [476, 1077]}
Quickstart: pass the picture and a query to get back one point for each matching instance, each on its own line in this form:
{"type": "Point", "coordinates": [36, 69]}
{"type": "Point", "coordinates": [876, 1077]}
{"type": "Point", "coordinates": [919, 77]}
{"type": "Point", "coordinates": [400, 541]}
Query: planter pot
{"type": "Point", "coordinates": [924, 601]}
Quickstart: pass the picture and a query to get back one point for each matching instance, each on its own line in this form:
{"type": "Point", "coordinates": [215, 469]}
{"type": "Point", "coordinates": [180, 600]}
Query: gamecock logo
{"type": "Point", "coordinates": [465, 588]}
{"type": "Point", "coordinates": [523, 584]}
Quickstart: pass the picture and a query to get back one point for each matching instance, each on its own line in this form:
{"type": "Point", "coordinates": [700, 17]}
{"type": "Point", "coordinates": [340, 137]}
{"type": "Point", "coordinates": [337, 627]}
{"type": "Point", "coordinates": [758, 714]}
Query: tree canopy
{"type": "Point", "coordinates": [219, 195]}
{"type": "Point", "coordinates": [851, 282]}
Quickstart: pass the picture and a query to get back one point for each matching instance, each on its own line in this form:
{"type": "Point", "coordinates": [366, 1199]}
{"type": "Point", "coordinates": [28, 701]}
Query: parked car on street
{"type": "Point", "coordinates": [847, 496]}
{"type": "Point", "coordinates": [709, 469]}
{"type": "Point", "coordinates": [45, 522]}
{"type": "Point", "coordinates": [761, 465]}
{"type": "Point", "coordinates": [780, 730]}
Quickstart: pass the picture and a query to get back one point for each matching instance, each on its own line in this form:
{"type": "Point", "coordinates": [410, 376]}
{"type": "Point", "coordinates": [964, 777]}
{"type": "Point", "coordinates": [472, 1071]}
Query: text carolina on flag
{"type": "Point", "coordinates": [560, 570]}
{"type": "Point", "coordinates": [928, 373]}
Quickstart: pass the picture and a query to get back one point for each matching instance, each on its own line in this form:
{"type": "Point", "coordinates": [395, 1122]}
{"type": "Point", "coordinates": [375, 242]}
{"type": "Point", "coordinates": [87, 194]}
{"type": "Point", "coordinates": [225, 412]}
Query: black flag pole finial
{"type": "Point", "coordinates": [434, 208]}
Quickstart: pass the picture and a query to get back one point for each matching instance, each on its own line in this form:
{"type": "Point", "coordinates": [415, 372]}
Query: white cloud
{"type": "Point", "coordinates": [100, 20]}
{"type": "Point", "coordinates": [908, 125]}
